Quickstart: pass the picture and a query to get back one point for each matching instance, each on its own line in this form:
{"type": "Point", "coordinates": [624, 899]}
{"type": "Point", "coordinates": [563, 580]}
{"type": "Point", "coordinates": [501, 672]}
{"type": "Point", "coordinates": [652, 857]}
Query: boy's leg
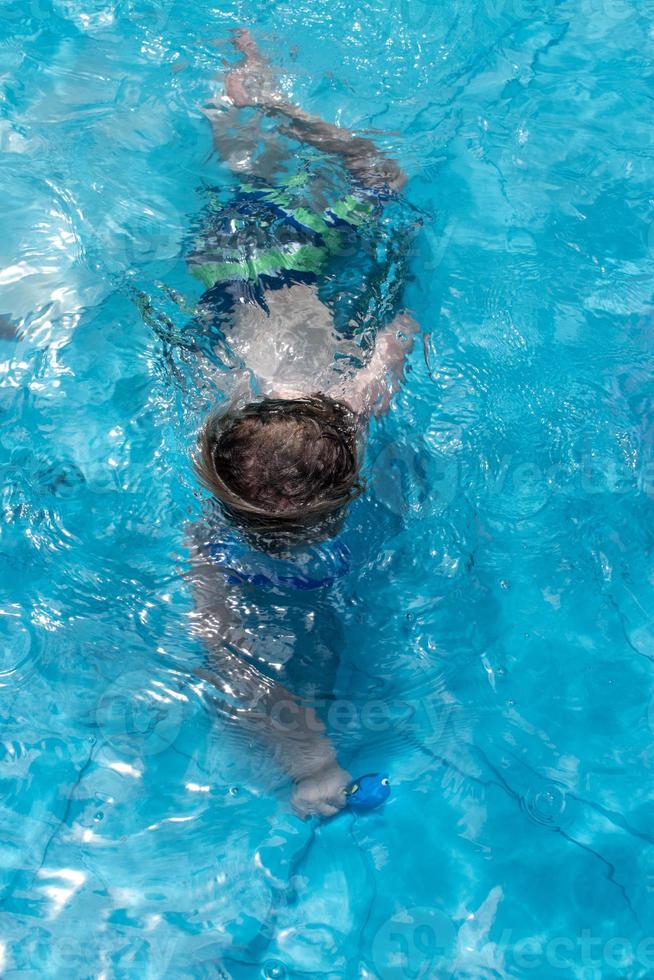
{"type": "Point", "coordinates": [244, 145]}
{"type": "Point", "coordinates": [251, 83]}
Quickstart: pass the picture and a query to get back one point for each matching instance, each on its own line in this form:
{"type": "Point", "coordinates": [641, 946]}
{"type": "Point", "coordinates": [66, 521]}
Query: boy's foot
{"type": "Point", "coordinates": [252, 82]}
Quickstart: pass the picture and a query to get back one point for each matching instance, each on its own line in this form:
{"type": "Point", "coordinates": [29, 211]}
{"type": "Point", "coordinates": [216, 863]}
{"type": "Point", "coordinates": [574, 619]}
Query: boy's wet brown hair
{"type": "Point", "coordinates": [279, 462]}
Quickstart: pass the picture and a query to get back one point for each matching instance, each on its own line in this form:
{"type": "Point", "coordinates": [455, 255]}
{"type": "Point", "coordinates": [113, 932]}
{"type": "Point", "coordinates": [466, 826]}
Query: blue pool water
{"type": "Point", "coordinates": [495, 628]}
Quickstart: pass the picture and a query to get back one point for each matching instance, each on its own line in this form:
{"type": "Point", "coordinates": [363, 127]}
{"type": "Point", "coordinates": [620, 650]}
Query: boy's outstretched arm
{"type": "Point", "coordinates": [370, 390]}
{"type": "Point", "coordinates": [249, 84]}
{"type": "Point", "coordinates": [289, 729]}
{"type": "Point", "coordinates": [359, 155]}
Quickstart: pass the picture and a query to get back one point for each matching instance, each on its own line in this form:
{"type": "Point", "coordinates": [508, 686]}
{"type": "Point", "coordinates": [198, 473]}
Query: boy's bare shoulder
{"type": "Point", "coordinates": [291, 344]}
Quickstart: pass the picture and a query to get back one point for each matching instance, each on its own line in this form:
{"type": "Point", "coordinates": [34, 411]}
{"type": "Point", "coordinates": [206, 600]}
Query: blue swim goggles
{"type": "Point", "coordinates": [314, 567]}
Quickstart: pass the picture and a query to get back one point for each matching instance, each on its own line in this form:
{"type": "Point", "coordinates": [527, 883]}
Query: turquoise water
{"type": "Point", "coordinates": [495, 632]}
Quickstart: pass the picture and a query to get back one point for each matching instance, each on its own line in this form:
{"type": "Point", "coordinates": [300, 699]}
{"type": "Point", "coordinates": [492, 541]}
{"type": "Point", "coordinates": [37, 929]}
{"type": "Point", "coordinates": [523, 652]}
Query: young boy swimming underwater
{"type": "Point", "coordinates": [279, 263]}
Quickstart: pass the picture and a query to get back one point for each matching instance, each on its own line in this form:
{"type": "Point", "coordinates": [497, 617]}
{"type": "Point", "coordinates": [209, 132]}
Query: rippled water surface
{"type": "Point", "coordinates": [495, 629]}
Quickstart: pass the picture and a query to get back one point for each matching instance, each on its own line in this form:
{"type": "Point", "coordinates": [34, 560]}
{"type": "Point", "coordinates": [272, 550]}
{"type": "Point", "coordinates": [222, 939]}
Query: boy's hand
{"type": "Point", "coordinates": [250, 83]}
{"type": "Point", "coordinates": [322, 793]}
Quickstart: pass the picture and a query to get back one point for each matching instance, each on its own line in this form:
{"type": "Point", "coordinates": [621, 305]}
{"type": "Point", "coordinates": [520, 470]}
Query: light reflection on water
{"type": "Point", "coordinates": [494, 636]}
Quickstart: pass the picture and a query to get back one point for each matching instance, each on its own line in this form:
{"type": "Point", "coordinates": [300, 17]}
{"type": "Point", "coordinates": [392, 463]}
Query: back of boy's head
{"type": "Point", "coordinates": [282, 461]}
